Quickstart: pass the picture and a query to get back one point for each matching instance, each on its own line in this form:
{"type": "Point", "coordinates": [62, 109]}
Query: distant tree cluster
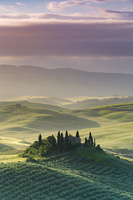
{"type": "Point", "coordinates": [51, 146]}
{"type": "Point", "coordinates": [48, 146]}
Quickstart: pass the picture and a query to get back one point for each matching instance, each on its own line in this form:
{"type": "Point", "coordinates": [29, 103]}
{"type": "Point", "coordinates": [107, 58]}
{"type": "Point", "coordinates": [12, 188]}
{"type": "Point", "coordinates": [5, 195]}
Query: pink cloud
{"type": "Point", "coordinates": [55, 6]}
{"type": "Point", "coordinates": [126, 15]}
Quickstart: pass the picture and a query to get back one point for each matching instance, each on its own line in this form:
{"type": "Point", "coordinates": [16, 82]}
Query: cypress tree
{"type": "Point", "coordinates": [66, 140]}
{"type": "Point", "coordinates": [94, 143]}
{"type": "Point", "coordinates": [90, 138]}
{"type": "Point", "coordinates": [61, 138]}
{"type": "Point", "coordinates": [61, 141]}
{"type": "Point", "coordinates": [85, 142]}
{"type": "Point", "coordinates": [58, 139]}
{"type": "Point", "coordinates": [66, 134]}
{"type": "Point", "coordinates": [53, 143]}
{"type": "Point", "coordinates": [77, 134]}
{"type": "Point", "coordinates": [40, 140]}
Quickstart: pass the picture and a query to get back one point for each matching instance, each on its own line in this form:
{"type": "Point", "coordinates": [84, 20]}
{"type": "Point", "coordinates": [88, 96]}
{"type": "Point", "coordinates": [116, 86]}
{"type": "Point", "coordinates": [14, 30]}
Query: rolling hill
{"type": "Point", "coordinates": [86, 173]}
{"type": "Point", "coordinates": [61, 83]}
{"type": "Point", "coordinates": [115, 132]}
{"type": "Point", "coordinates": [112, 126]}
{"type": "Point", "coordinates": [32, 118]}
{"type": "Point", "coordinates": [119, 112]}
{"type": "Point", "coordinates": [74, 176]}
{"type": "Point", "coordinates": [91, 103]}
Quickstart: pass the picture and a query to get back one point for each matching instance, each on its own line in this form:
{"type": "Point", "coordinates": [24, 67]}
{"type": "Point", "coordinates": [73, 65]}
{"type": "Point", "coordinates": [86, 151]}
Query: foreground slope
{"type": "Point", "coordinates": [73, 176]}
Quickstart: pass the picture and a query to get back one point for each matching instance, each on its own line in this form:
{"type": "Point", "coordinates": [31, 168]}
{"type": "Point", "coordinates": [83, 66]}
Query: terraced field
{"type": "Point", "coordinates": [70, 177]}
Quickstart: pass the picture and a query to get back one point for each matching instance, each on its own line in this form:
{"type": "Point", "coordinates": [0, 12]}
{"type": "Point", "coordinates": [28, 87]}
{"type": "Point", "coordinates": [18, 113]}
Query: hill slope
{"type": "Point", "coordinates": [69, 177]}
{"type": "Point", "coordinates": [115, 132]}
{"type": "Point", "coordinates": [119, 112]}
{"type": "Point", "coordinates": [36, 81]}
{"type": "Point", "coordinates": [35, 118]}
{"type": "Point", "coordinates": [112, 126]}
{"type": "Point", "coordinates": [91, 103]}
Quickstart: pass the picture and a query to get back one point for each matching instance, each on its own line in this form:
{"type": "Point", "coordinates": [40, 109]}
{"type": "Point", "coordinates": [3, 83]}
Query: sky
{"type": "Point", "coordinates": [90, 35]}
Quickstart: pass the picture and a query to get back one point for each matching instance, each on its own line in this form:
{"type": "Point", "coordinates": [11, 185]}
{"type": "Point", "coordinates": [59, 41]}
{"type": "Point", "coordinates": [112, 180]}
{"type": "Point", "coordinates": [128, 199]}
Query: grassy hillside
{"type": "Point", "coordinates": [72, 176]}
{"type": "Point", "coordinates": [112, 126]}
{"type": "Point", "coordinates": [120, 113]}
{"type": "Point", "coordinates": [33, 105]}
{"type": "Point", "coordinates": [35, 118]}
{"type": "Point", "coordinates": [116, 127]}
{"type": "Point", "coordinates": [96, 102]}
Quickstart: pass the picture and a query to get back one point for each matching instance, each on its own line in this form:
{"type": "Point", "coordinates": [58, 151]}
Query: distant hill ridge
{"type": "Point", "coordinates": [91, 103]}
{"type": "Point", "coordinates": [37, 81]}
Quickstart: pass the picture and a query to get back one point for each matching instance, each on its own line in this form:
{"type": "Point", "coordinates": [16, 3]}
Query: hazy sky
{"type": "Point", "coordinates": [91, 35]}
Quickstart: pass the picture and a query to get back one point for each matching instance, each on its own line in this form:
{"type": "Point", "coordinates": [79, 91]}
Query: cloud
{"type": "Point", "coordinates": [69, 17]}
{"type": "Point", "coordinates": [17, 16]}
{"type": "Point", "coordinates": [48, 17]}
{"type": "Point", "coordinates": [20, 4]}
{"type": "Point", "coordinates": [55, 6]}
{"type": "Point", "coordinates": [102, 15]}
{"type": "Point", "coordinates": [68, 39]}
{"type": "Point", "coordinates": [126, 15]}
{"type": "Point", "coordinates": [9, 8]}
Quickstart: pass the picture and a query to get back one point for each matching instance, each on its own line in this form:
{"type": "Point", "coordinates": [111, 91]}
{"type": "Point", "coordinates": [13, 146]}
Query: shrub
{"type": "Point", "coordinates": [98, 147]}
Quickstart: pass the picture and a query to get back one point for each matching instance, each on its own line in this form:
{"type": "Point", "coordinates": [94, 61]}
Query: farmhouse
{"type": "Point", "coordinates": [74, 140]}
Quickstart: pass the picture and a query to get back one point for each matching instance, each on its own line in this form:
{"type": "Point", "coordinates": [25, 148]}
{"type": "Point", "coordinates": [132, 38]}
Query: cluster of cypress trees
{"type": "Point", "coordinates": [63, 143]}
{"type": "Point", "coordinates": [90, 140]}
{"type": "Point", "coordinates": [46, 146]}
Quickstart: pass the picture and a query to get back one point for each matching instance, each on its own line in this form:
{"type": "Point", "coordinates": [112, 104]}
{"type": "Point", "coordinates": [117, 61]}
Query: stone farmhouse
{"type": "Point", "coordinates": [74, 140]}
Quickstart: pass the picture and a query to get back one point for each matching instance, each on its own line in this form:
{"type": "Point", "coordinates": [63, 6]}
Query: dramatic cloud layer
{"type": "Point", "coordinates": [69, 39]}
{"type": "Point", "coordinates": [38, 17]}
{"type": "Point", "coordinates": [127, 15]}
{"type": "Point", "coordinates": [85, 34]}
{"type": "Point", "coordinates": [54, 6]}
{"type": "Point", "coordinates": [102, 14]}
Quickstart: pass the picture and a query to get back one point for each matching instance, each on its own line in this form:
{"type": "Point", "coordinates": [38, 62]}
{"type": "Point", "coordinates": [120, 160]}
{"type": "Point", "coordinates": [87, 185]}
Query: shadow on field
{"type": "Point", "coordinates": [61, 122]}
{"type": "Point", "coordinates": [123, 152]}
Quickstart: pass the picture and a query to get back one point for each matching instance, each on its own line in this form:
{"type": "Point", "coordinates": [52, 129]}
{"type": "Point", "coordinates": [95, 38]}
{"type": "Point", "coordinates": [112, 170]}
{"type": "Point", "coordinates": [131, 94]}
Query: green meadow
{"type": "Point", "coordinates": [87, 173]}
{"type": "Point", "coordinates": [112, 126]}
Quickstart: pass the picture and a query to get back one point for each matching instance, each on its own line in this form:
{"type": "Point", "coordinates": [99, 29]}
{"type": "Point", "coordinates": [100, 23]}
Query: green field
{"type": "Point", "coordinates": [35, 118]}
{"type": "Point", "coordinates": [112, 126]}
{"type": "Point", "coordinates": [115, 132]}
{"type": "Point", "coordinates": [86, 173]}
{"type": "Point", "coordinates": [83, 174]}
